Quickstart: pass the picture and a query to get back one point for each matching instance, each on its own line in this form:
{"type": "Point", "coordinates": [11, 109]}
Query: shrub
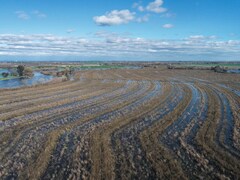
{"type": "Point", "coordinates": [5, 74]}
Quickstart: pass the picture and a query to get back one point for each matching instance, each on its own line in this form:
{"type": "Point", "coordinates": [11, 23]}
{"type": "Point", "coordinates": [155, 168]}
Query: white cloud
{"type": "Point", "coordinates": [114, 45]}
{"type": "Point", "coordinates": [168, 15]}
{"type": "Point", "coordinates": [200, 38]}
{"type": "Point", "coordinates": [168, 26]}
{"type": "Point", "coordinates": [156, 6]}
{"type": "Point", "coordinates": [135, 5]}
{"type": "Point", "coordinates": [233, 42]}
{"type": "Point", "coordinates": [141, 8]}
{"type": "Point", "coordinates": [197, 37]}
{"type": "Point", "coordinates": [70, 30]}
{"type": "Point", "coordinates": [152, 50]}
{"type": "Point", "coordinates": [25, 16]}
{"type": "Point", "coordinates": [144, 18]}
{"type": "Point", "coordinates": [22, 15]}
{"type": "Point", "coordinates": [39, 14]}
{"type": "Point", "coordinates": [115, 17]}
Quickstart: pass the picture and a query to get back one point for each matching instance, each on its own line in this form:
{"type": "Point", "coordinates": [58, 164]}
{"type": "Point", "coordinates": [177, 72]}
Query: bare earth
{"type": "Point", "coordinates": [123, 124]}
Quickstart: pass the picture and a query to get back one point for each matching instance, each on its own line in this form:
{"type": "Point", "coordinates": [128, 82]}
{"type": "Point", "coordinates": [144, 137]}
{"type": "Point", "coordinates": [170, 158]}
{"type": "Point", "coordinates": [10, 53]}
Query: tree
{"type": "Point", "coordinates": [20, 70]}
{"type": "Point", "coordinates": [24, 71]}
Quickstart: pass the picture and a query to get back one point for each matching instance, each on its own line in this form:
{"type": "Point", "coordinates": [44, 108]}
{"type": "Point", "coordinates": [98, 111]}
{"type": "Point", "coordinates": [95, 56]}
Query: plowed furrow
{"type": "Point", "coordinates": [129, 149]}
{"type": "Point", "coordinates": [57, 122]}
{"type": "Point", "coordinates": [122, 108]}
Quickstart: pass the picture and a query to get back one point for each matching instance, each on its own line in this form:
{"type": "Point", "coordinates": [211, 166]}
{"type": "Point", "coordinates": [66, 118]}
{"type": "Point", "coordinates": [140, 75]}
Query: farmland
{"type": "Point", "coordinates": [149, 123]}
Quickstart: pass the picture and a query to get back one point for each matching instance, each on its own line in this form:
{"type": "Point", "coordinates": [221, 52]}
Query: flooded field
{"type": "Point", "coordinates": [14, 82]}
{"type": "Point", "coordinates": [122, 124]}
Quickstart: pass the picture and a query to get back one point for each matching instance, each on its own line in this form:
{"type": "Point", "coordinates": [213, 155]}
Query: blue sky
{"type": "Point", "coordinates": [120, 30]}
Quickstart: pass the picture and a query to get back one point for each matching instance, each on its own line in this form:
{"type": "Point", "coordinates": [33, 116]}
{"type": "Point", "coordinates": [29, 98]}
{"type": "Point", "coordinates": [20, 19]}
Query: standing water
{"type": "Point", "coordinates": [38, 78]}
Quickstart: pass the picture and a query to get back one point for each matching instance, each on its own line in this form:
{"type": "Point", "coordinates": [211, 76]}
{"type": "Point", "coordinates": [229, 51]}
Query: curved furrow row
{"type": "Point", "coordinates": [193, 162]}
{"type": "Point", "coordinates": [32, 90]}
{"type": "Point", "coordinates": [87, 101]}
{"type": "Point", "coordinates": [49, 97]}
{"type": "Point", "coordinates": [92, 109]}
{"type": "Point", "coordinates": [234, 86]}
{"type": "Point", "coordinates": [130, 157]}
{"type": "Point", "coordinates": [130, 108]}
{"type": "Point", "coordinates": [101, 153]}
{"type": "Point", "coordinates": [237, 92]}
{"type": "Point", "coordinates": [14, 126]}
{"type": "Point", "coordinates": [148, 123]}
{"type": "Point", "coordinates": [173, 131]}
{"type": "Point", "coordinates": [38, 134]}
{"type": "Point", "coordinates": [55, 96]}
{"type": "Point", "coordinates": [92, 97]}
{"type": "Point", "coordinates": [83, 166]}
{"type": "Point", "coordinates": [183, 143]}
{"type": "Point", "coordinates": [181, 136]}
{"type": "Point", "coordinates": [215, 160]}
{"type": "Point", "coordinates": [225, 128]}
{"type": "Point", "coordinates": [164, 161]}
{"type": "Point", "coordinates": [41, 107]}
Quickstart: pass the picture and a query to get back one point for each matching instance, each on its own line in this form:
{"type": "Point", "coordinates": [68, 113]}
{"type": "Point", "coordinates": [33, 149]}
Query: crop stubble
{"type": "Point", "coordinates": [123, 124]}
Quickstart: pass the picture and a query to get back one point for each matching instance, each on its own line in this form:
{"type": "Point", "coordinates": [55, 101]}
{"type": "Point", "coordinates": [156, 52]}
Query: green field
{"type": "Point", "coordinates": [7, 78]}
{"type": "Point", "coordinates": [230, 65]}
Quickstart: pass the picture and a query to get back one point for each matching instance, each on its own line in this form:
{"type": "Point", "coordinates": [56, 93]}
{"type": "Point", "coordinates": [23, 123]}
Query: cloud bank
{"type": "Point", "coordinates": [114, 46]}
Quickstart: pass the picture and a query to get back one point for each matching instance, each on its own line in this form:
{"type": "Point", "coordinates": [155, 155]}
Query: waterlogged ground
{"type": "Point", "coordinates": [123, 124]}
{"type": "Point", "coordinates": [14, 82]}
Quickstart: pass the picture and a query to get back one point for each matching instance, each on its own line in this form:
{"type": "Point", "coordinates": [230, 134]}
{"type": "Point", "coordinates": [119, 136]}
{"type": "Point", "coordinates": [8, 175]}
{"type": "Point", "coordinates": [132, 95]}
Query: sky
{"type": "Point", "coordinates": [127, 30]}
